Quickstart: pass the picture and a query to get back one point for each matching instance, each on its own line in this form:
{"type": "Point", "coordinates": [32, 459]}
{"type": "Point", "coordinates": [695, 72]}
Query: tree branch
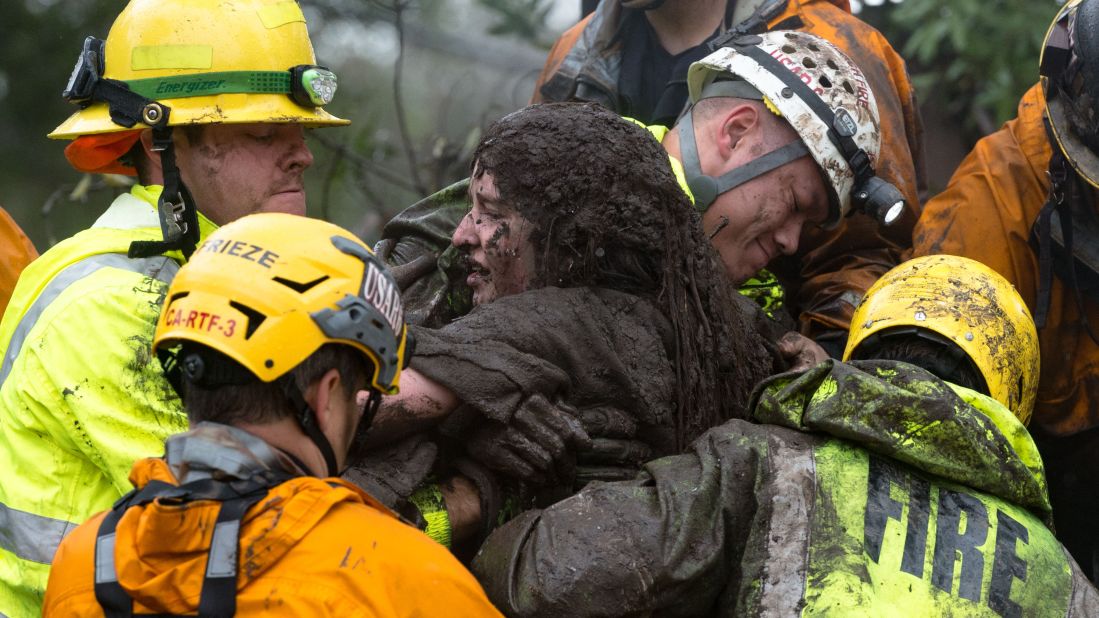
{"type": "Point", "coordinates": [399, 7]}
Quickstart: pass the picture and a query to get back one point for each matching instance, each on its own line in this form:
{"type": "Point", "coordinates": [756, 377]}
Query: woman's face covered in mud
{"type": "Point", "coordinates": [496, 241]}
{"type": "Point", "coordinates": [571, 195]}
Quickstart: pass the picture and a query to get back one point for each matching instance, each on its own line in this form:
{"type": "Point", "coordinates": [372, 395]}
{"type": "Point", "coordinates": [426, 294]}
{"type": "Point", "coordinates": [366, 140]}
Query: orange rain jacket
{"type": "Point", "coordinates": [16, 251]}
{"type": "Point", "coordinates": [311, 547]}
{"type": "Point", "coordinates": [986, 213]}
{"type": "Point", "coordinates": [832, 269]}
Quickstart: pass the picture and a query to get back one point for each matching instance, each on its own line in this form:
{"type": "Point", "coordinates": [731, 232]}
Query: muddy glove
{"type": "Point", "coordinates": [407, 262]}
{"type": "Point", "coordinates": [391, 474]}
{"type": "Point", "coordinates": [800, 352]}
{"type": "Point", "coordinates": [614, 454]}
{"type": "Point", "coordinates": [538, 445]}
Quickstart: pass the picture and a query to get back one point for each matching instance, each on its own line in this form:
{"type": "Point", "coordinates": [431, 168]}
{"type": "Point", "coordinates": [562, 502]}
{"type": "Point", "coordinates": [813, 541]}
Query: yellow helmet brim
{"type": "Point", "coordinates": [244, 108]}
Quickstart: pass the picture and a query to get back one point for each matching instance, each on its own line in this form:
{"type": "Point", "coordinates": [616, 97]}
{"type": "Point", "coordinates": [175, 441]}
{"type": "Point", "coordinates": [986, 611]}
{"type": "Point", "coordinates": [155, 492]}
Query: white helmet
{"type": "Point", "coordinates": [825, 98]}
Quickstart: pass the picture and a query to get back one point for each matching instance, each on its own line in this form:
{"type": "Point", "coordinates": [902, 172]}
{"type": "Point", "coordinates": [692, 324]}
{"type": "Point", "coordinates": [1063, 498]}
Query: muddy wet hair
{"type": "Point", "coordinates": [607, 211]}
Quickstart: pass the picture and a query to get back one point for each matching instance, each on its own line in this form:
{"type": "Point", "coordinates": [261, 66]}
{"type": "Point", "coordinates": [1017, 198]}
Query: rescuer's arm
{"type": "Point", "coordinates": [99, 385]}
{"type": "Point", "coordinates": [671, 536]}
{"type": "Point", "coordinates": [421, 404]}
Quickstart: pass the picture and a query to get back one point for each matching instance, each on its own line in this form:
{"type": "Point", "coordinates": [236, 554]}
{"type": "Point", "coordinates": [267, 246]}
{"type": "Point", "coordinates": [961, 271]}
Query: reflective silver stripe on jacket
{"type": "Point", "coordinates": [160, 268]}
{"type": "Point", "coordinates": [35, 537]}
{"type": "Point", "coordinates": [32, 537]}
{"type": "Point", "coordinates": [104, 560]}
{"type": "Point", "coordinates": [788, 536]}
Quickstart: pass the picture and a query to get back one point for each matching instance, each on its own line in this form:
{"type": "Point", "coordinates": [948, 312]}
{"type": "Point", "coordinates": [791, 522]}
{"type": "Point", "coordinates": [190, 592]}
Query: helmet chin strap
{"type": "Point", "coordinates": [706, 189]}
{"type": "Point", "coordinates": [307, 418]}
{"type": "Point", "coordinates": [127, 108]}
{"type": "Point", "coordinates": [175, 208]}
{"type": "Point", "coordinates": [642, 5]}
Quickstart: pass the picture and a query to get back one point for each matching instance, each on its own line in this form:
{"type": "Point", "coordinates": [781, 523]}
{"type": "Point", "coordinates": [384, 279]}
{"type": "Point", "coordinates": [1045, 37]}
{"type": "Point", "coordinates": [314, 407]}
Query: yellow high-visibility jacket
{"type": "Point", "coordinates": [81, 394]}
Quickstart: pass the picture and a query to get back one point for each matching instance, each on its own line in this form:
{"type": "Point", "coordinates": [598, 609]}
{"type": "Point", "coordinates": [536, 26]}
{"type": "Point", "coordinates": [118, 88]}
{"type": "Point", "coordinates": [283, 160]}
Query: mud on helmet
{"type": "Point", "coordinates": [822, 94]}
{"type": "Point", "coordinates": [970, 309]}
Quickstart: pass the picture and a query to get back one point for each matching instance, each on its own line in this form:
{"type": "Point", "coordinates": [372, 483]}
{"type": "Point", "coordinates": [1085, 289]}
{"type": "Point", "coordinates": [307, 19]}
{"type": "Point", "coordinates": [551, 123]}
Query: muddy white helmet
{"type": "Point", "coordinates": [822, 94]}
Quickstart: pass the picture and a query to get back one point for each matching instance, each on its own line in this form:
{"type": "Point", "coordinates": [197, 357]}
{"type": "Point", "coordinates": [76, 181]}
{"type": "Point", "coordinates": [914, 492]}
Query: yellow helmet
{"type": "Point", "coordinates": [968, 304]}
{"type": "Point", "coordinates": [268, 290]}
{"type": "Point", "coordinates": [209, 61]}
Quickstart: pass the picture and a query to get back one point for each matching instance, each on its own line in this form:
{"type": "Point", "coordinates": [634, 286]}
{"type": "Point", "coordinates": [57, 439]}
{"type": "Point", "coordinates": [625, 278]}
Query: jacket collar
{"type": "Point", "coordinates": [137, 210]}
{"type": "Point", "coordinates": [222, 451]}
{"type": "Point", "coordinates": [905, 413]}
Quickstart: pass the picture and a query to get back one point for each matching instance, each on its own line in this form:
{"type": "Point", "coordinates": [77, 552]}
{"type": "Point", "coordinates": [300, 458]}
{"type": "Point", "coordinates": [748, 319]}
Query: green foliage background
{"type": "Point", "coordinates": [975, 58]}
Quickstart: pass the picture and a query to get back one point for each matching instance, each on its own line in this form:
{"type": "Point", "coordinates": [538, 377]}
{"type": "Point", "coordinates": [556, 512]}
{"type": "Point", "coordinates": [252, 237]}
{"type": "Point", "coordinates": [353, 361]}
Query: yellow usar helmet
{"type": "Point", "coordinates": [209, 61]}
{"type": "Point", "coordinates": [268, 290]}
{"type": "Point", "coordinates": [968, 304]}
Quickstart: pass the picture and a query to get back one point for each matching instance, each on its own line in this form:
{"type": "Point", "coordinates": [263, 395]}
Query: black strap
{"type": "Point", "coordinates": [1064, 194]}
{"type": "Point", "coordinates": [218, 596]}
{"type": "Point", "coordinates": [855, 156]}
{"type": "Point", "coordinates": [754, 24]}
{"type": "Point", "coordinates": [1065, 212]}
{"type": "Point", "coordinates": [126, 107]}
{"type": "Point", "coordinates": [178, 217]}
{"type": "Point", "coordinates": [219, 588]}
{"type": "Point", "coordinates": [1058, 176]}
{"type": "Point", "coordinates": [1045, 258]}
{"type": "Point", "coordinates": [307, 418]}
{"type": "Point", "coordinates": [175, 207]}
{"type": "Point", "coordinates": [108, 592]}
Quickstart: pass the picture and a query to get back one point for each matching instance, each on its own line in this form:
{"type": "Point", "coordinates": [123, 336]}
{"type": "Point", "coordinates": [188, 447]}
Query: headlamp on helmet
{"type": "Point", "coordinates": [312, 85]}
{"type": "Point", "coordinates": [789, 71]}
{"type": "Point", "coordinates": [306, 85]}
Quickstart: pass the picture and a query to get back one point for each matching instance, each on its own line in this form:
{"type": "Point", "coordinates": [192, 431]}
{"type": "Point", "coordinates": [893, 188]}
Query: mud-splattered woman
{"type": "Point", "coordinates": [600, 312]}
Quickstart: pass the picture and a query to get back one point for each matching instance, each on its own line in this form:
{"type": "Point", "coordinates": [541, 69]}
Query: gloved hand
{"type": "Point", "coordinates": [407, 261]}
{"type": "Point", "coordinates": [800, 352]}
{"type": "Point", "coordinates": [537, 445]}
{"type": "Point", "coordinates": [391, 474]}
{"type": "Point", "coordinates": [614, 455]}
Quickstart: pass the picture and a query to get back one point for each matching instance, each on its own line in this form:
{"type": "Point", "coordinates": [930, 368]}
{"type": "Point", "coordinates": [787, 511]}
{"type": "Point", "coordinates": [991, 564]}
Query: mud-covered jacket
{"type": "Point", "coordinates": [310, 547]}
{"type": "Point", "coordinates": [588, 347]}
{"type": "Point", "coordinates": [831, 269]}
{"type": "Point", "coordinates": [81, 394]}
{"type": "Point", "coordinates": [16, 251]}
{"type": "Point", "coordinates": [862, 489]}
{"type": "Point", "coordinates": [986, 213]}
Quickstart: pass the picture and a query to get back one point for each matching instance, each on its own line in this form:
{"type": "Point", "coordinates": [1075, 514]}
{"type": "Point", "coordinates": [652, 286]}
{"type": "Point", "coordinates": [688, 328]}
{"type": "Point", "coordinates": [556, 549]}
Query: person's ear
{"type": "Point", "coordinates": [156, 170]}
{"type": "Point", "coordinates": [325, 396]}
{"type": "Point", "coordinates": [738, 123]}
